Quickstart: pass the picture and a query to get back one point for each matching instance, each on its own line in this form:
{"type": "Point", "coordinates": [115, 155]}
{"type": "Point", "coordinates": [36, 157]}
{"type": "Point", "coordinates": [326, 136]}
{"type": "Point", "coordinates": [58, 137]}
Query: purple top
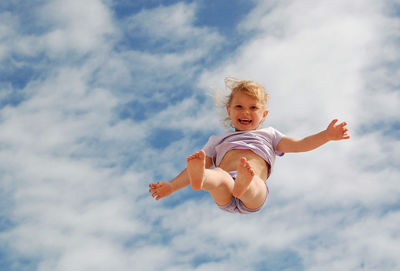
{"type": "Point", "coordinates": [262, 142]}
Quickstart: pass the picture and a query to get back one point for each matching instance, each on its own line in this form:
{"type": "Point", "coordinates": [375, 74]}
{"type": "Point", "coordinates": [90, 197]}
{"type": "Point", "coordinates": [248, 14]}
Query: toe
{"type": "Point", "coordinates": [202, 154]}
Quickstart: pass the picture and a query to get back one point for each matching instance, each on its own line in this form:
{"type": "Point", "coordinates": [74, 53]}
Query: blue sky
{"type": "Point", "coordinates": [100, 98]}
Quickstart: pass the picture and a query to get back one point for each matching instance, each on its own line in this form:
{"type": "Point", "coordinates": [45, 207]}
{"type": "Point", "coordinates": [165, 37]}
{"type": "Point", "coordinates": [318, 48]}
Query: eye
{"type": "Point", "coordinates": [254, 107]}
{"type": "Point", "coordinates": [238, 106]}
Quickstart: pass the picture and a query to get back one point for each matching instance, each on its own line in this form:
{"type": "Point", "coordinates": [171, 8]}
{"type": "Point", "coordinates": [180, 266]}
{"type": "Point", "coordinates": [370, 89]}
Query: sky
{"type": "Point", "coordinates": [100, 98]}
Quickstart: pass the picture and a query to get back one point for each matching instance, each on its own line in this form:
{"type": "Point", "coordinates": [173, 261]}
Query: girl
{"type": "Point", "coordinates": [235, 166]}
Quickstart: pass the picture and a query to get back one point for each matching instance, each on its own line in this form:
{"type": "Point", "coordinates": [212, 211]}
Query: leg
{"type": "Point", "coordinates": [215, 181]}
{"type": "Point", "coordinates": [249, 188]}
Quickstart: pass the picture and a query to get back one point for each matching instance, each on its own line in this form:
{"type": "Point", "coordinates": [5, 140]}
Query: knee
{"type": "Point", "coordinates": [227, 182]}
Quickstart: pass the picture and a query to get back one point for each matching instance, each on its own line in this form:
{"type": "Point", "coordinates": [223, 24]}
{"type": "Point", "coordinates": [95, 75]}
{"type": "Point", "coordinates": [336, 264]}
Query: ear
{"type": "Point", "coordinates": [228, 110]}
{"type": "Point", "coordinates": [265, 114]}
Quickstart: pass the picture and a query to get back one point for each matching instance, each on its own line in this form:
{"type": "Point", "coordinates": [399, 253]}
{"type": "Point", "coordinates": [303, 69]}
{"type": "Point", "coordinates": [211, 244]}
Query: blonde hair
{"type": "Point", "coordinates": [248, 87]}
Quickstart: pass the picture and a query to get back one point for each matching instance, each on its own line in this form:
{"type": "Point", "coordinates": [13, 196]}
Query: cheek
{"type": "Point", "coordinates": [260, 117]}
{"type": "Point", "coordinates": [229, 111]}
{"type": "Point", "coordinates": [233, 113]}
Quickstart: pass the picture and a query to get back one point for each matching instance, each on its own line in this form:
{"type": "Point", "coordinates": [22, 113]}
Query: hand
{"type": "Point", "coordinates": [337, 132]}
{"type": "Point", "coordinates": [161, 190]}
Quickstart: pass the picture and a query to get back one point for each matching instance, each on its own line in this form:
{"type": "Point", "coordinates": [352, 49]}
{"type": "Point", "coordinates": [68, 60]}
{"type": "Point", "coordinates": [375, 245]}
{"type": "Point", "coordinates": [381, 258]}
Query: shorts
{"type": "Point", "coordinates": [236, 205]}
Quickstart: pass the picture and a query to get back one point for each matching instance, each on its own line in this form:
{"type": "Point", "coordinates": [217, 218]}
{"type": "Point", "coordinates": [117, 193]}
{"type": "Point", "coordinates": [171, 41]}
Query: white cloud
{"type": "Point", "coordinates": [82, 27]}
{"type": "Point", "coordinates": [6, 22]}
{"type": "Point", "coordinates": [65, 155]}
{"type": "Point", "coordinates": [58, 29]}
{"type": "Point", "coordinates": [77, 175]}
{"type": "Point", "coordinates": [313, 59]}
{"type": "Point", "coordinates": [173, 26]}
{"type": "Point", "coordinates": [319, 55]}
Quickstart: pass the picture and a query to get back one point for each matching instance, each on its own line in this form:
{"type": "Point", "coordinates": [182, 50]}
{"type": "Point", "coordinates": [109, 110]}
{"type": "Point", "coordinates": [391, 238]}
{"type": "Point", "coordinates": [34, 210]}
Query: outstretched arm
{"type": "Point", "coordinates": [163, 189]}
{"type": "Point", "coordinates": [333, 132]}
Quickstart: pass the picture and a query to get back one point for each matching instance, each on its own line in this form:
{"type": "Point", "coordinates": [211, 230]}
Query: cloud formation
{"type": "Point", "coordinates": [95, 106]}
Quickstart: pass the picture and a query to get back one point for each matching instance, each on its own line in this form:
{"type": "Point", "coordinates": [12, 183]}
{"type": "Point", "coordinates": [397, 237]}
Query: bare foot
{"type": "Point", "coordinates": [244, 177]}
{"type": "Point", "coordinates": [195, 168]}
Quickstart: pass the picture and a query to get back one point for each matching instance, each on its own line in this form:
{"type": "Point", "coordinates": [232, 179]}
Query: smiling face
{"type": "Point", "coordinates": [246, 112]}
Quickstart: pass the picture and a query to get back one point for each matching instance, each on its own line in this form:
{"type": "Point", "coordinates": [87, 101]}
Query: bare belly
{"type": "Point", "coordinates": [231, 161]}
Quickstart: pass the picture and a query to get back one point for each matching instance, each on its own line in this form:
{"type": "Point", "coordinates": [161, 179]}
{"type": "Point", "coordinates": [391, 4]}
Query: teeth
{"type": "Point", "coordinates": [244, 120]}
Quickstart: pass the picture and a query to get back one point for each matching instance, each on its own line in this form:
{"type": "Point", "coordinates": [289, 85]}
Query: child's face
{"type": "Point", "coordinates": [246, 112]}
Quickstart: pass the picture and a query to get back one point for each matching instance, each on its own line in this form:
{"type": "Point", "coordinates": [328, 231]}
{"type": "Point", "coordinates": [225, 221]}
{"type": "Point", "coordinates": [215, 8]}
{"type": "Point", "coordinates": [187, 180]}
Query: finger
{"type": "Point", "coordinates": [333, 122]}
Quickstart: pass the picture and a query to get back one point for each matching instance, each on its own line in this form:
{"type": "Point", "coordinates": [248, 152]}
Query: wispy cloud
{"type": "Point", "coordinates": [94, 106]}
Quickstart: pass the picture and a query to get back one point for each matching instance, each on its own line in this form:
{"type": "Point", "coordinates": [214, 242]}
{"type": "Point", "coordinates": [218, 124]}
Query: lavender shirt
{"type": "Point", "coordinates": [262, 142]}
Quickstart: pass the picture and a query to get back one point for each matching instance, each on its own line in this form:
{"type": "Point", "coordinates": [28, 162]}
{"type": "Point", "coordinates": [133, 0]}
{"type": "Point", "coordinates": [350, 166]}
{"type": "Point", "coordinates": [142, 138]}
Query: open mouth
{"type": "Point", "coordinates": [245, 121]}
